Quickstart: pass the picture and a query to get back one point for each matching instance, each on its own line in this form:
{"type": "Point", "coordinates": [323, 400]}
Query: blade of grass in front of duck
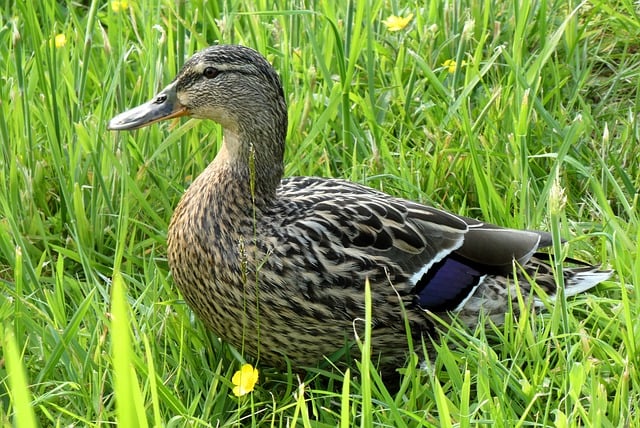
{"type": "Point", "coordinates": [151, 375]}
{"type": "Point", "coordinates": [556, 204]}
{"type": "Point", "coordinates": [345, 400]}
{"type": "Point", "coordinates": [365, 361]}
{"type": "Point", "coordinates": [20, 400]}
{"type": "Point", "coordinates": [256, 286]}
{"type": "Point", "coordinates": [130, 408]}
{"type": "Point", "coordinates": [442, 404]}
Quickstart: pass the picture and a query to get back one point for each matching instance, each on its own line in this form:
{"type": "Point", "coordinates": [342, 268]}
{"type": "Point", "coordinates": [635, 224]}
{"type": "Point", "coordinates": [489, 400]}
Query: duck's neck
{"type": "Point", "coordinates": [253, 161]}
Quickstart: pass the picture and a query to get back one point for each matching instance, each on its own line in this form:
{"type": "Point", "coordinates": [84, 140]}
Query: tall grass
{"type": "Point", "coordinates": [93, 330]}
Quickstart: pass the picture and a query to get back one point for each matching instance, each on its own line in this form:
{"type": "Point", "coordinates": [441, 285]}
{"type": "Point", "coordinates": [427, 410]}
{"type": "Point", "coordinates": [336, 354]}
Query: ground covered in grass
{"type": "Point", "coordinates": [477, 107]}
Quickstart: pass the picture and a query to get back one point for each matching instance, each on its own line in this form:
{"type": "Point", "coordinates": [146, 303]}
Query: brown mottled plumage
{"type": "Point", "coordinates": [277, 267]}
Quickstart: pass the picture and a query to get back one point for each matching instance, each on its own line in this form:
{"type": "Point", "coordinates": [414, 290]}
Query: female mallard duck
{"type": "Point", "coordinates": [277, 267]}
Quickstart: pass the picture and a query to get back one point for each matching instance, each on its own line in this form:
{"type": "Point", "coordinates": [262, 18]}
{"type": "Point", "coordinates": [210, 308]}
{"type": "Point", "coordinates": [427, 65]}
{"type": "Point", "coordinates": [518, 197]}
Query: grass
{"type": "Point", "coordinates": [93, 331]}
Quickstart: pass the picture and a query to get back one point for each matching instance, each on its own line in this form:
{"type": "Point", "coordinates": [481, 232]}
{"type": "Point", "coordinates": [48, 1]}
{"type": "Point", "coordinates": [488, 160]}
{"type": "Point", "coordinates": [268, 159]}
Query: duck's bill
{"type": "Point", "coordinates": [163, 106]}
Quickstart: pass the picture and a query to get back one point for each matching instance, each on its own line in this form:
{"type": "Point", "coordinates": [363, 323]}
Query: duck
{"type": "Point", "coordinates": [277, 267]}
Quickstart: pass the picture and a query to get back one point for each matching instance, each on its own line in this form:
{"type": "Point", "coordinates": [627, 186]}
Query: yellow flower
{"type": "Point", "coordinates": [244, 380]}
{"type": "Point", "coordinates": [60, 40]}
{"type": "Point", "coordinates": [397, 23]}
{"type": "Point", "coordinates": [119, 5]}
{"type": "Point", "coordinates": [451, 65]}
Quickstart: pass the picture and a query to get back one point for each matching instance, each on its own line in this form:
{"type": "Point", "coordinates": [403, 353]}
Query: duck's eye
{"type": "Point", "coordinates": [210, 72]}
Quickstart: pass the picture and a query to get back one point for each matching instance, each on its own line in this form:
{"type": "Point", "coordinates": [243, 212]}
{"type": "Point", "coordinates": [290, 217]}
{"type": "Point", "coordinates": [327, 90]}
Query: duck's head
{"type": "Point", "coordinates": [232, 85]}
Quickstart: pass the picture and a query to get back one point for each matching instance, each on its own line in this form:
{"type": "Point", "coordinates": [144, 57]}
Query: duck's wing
{"type": "Point", "coordinates": [353, 231]}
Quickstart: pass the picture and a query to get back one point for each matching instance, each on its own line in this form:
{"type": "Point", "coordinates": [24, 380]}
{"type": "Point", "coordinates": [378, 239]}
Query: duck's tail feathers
{"type": "Point", "coordinates": [579, 280]}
